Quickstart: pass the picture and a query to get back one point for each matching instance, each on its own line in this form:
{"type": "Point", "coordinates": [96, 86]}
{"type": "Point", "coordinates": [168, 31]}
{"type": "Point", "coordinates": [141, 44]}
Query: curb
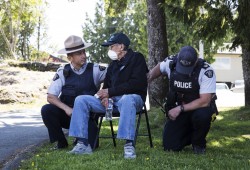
{"type": "Point", "coordinates": [26, 153]}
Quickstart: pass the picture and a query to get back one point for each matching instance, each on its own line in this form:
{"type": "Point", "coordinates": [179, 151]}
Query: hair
{"type": "Point", "coordinates": [69, 54]}
{"type": "Point", "coordinates": [125, 48]}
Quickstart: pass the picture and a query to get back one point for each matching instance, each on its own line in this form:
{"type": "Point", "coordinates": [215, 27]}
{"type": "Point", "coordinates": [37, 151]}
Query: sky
{"type": "Point", "coordinates": [65, 18]}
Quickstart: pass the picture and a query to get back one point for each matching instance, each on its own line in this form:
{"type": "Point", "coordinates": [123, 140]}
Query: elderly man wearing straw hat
{"type": "Point", "coordinates": [74, 79]}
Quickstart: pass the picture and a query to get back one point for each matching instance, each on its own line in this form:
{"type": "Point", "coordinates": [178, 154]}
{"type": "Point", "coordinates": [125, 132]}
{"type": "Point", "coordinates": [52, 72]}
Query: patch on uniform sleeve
{"type": "Point", "coordinates": [102, 68]}
{"type": "Point", "coordinates": [209, 73]}
{"type": "Point", "coordinates": [205, 66]}
{"type": "Point", "coordinates": [55, 77]}
{"type": "Point", "coordinates": [171, 57]}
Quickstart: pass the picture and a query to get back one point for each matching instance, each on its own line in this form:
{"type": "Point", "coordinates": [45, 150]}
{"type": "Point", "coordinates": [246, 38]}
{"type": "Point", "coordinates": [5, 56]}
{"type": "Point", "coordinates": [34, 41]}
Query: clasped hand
{"type": "Point", "coordinates": [103, 93]}
{"type": "Point", "coordinates": [174, 113]}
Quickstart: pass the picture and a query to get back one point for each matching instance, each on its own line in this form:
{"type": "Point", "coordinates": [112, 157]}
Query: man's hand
{"type": "Point", "coordinates": [103, 93]}
{"type": "Point", "coordinates": [57, 102]}
{"type": "Point", "coordinates": [174, 113]}
{"type": "Point", "coordinates": [105, 102]}
{"type": "Point", "coordinates": [68, 111]}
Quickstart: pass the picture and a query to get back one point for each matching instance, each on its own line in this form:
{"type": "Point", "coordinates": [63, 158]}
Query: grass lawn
{"type": "Point", "coordinates": [228, 147]}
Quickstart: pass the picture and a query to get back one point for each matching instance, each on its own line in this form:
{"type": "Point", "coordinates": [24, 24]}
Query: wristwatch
{"type": "Point", "coordinates": [182, 108]}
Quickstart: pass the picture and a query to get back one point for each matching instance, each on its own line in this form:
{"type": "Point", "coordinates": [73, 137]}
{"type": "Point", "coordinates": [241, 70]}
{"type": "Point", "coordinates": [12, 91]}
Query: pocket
{"type": "Point", "coordinates": [69, 91]}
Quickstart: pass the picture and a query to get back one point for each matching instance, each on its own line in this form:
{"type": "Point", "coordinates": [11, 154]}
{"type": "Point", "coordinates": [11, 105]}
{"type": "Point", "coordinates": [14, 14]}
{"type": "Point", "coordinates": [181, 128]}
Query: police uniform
{"type": "Point", "coordinates": [59, 78]}
{"type": "Point", "coordinates": [189, 127]}
{"type": "Point", "coordinates": [67, 84]}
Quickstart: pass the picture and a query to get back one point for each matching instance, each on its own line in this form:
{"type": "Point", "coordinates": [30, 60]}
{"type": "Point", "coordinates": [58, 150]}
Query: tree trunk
{"type": "Point", "coordinates": [246, 74]}
{"type": "Point", "coordinates": [11, 36]}
{"type": "Point", "coordinates": [157, 47]}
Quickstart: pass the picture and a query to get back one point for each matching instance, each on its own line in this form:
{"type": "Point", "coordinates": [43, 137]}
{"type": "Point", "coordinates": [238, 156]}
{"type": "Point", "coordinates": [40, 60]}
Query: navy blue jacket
{"type": "Point", "coordinates": [127, 76]}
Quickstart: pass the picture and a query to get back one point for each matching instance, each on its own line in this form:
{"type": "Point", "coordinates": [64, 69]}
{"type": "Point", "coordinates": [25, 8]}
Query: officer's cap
{"type": "Point", "coordinates": [186, 60]}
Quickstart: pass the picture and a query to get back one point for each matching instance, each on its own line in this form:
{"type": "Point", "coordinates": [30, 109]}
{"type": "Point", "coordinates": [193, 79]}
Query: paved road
{"type": "Point", "coordinates": [20, 131]}
{"type": "Point", "coordinates": [230, 99]}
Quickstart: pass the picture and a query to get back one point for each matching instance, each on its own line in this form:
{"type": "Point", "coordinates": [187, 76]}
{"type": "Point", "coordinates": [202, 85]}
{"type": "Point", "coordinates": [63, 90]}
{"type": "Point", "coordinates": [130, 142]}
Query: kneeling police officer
{"type": "Point", "coordinates": [192, 86]}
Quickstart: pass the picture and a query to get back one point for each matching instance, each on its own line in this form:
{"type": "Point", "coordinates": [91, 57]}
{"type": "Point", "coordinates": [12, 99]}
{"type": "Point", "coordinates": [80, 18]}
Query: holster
{"type": "Point", "coordinates": [171, 101]}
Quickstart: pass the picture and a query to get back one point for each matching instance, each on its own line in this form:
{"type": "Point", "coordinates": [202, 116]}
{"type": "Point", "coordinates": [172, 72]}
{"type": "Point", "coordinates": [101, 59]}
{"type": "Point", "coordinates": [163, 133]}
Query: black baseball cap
{"type": "Point", "coordinates": [117, 38]}
{"type": "Point", "coordinates": [186, 60]}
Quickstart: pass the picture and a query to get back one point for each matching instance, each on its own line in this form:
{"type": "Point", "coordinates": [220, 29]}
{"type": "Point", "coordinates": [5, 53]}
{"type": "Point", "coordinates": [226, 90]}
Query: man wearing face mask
{"type": "Point", "coordinates": [126, 84]}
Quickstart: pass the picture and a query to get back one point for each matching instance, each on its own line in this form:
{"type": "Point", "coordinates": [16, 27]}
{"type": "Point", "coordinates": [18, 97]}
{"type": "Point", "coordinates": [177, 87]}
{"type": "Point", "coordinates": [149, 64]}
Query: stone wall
{"type": "Point", "coordinates": [37, 66]}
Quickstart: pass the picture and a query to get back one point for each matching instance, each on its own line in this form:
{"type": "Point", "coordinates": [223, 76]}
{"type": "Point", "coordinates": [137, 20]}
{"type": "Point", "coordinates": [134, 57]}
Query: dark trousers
{"type": "Point", "coordinates": [188, 128]}
{"type": "Point", "coordinates": [55, 119]}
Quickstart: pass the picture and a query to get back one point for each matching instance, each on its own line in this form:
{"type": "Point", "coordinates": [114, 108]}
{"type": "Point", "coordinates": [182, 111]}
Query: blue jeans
{"type": "Point", "coordinates": [127, 105]}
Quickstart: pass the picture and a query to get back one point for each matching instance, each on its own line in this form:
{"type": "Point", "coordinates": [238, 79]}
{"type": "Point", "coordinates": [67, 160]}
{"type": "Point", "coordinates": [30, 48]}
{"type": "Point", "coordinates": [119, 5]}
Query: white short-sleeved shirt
{"type": "Point", "coordinates": [58, 81]}
{"type": "Point", "coordinates": [207, 77]}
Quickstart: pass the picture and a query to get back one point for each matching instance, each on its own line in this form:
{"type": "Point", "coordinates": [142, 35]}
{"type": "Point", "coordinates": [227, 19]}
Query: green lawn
{"type": "Point", "coordinates": [228, 147]}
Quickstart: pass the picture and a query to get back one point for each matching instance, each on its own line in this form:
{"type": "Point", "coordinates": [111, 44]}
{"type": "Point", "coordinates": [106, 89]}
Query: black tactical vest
{"type": "Point", "coordinates": [76, 85]}
{"type": "Point", "coordinates": [186, 86]}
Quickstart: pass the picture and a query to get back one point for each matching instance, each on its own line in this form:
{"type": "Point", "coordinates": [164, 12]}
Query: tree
{"type": "Point", "coordinates": [157, 45]}
{"type": "Point", "coordinates": [241, 27]}
{"type": "Point", "coordinates": [218, 18]}
{"type": "Point", "coordinates": [97, 31]}
{"type": "Point", "coordinates": [40, 32]}
{"type": "Point", "coordinates": [11, 12]}
{"type": "Point", "coordinates": [131, 23]}
{"type": "Point", "coordinates": [17, 23]}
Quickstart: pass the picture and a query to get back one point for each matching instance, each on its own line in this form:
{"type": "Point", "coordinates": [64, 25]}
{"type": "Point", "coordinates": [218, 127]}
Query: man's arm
{"type": "Point", "coordinates": [154, 73]}
{"type": "Point", "coordinates": [52, 99]}
{"type": "Point", "coordinates": [99, 73]}
{"type": "Point", "coordinates": [203, 101]}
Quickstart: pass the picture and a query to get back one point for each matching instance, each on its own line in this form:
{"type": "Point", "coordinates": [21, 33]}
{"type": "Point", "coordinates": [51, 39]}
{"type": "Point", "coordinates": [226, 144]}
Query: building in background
{"type": "Point", "coordinates": [55, 59]}
{"type": "Point", "coordinates": [228, 65]}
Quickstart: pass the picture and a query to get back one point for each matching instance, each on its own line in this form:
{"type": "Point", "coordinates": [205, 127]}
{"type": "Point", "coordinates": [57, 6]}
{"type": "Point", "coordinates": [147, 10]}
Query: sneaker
{"type": "Point", "coordinates": [129, 151]}
{"type": "Point", "coordinates": [199, 150]}
{"type": "Point", "coordinates": [80, 148]}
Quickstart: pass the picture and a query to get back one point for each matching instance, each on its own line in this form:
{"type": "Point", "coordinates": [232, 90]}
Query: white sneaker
{"type": "Point", "coordinates": [80, 148]}
{"type": "Point", "coordinates": [129, 151]}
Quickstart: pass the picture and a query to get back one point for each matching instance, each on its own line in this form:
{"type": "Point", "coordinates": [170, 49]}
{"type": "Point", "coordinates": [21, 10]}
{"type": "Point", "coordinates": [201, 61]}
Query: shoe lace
{"type": "Point", "coordinates": [129, 149]}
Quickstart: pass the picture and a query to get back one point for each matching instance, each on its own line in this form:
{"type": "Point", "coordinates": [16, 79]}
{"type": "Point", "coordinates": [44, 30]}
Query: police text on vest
{"type": "Point", "coordinates": [185, 85]}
